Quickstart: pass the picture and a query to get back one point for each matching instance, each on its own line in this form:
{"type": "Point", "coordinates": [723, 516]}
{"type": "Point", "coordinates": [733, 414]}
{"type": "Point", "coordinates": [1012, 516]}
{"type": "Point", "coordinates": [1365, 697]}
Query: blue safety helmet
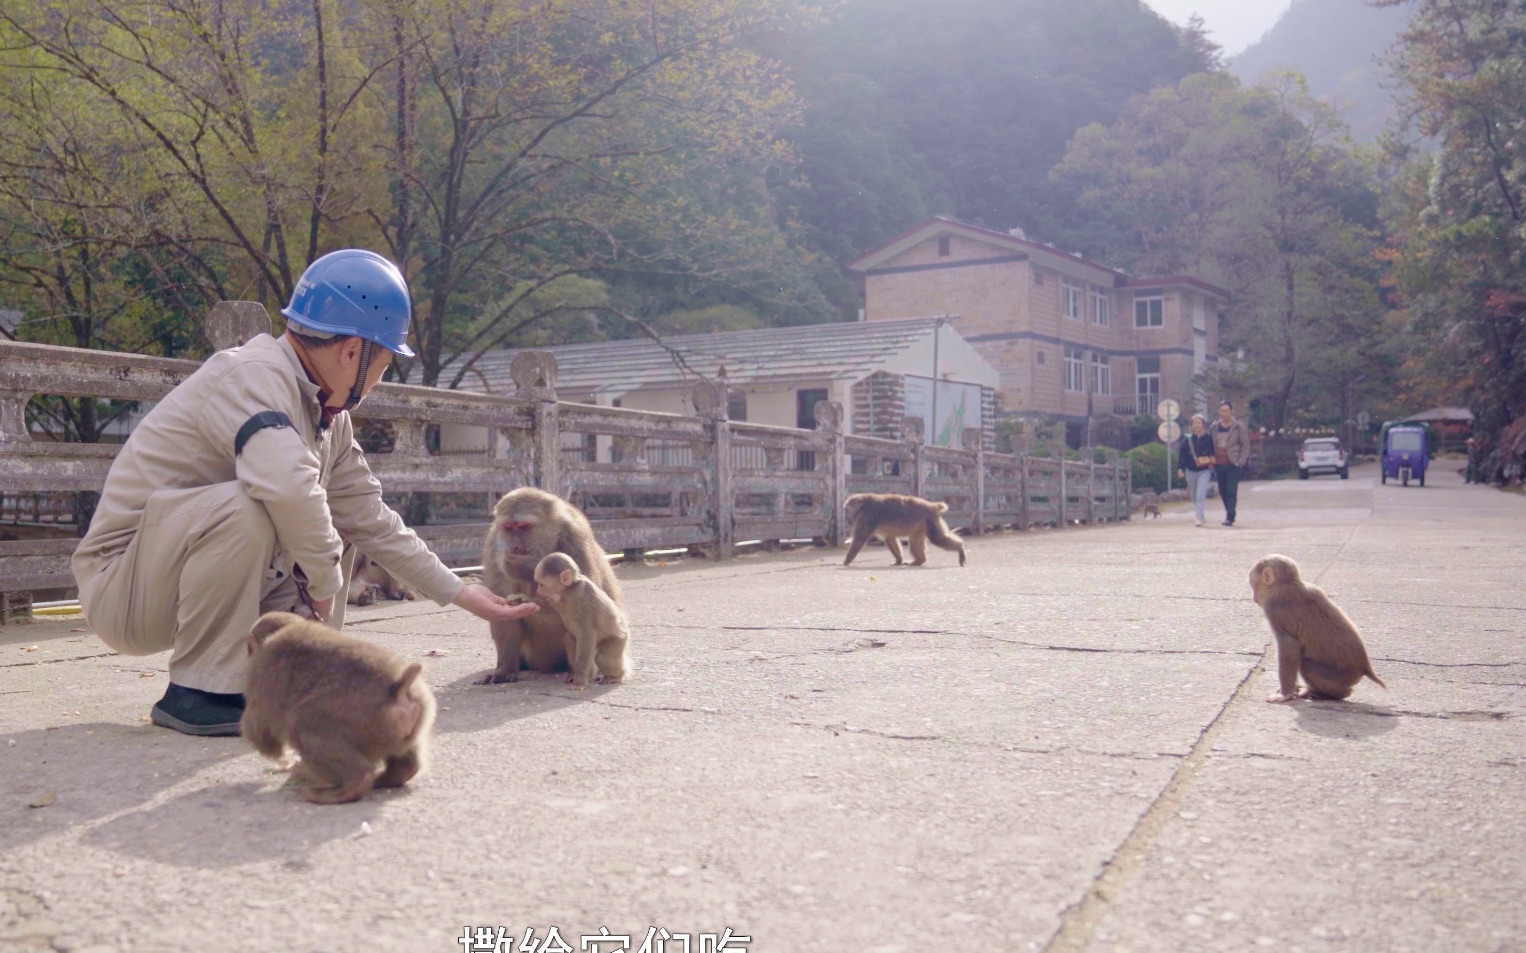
{"type": "Point", "coordinates": [354, 293]}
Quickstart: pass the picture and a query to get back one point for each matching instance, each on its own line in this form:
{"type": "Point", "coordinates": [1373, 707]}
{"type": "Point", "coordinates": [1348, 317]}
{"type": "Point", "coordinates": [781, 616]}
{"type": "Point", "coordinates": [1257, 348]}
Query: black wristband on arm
{"type": "Point", "coordinates": [260, 421]}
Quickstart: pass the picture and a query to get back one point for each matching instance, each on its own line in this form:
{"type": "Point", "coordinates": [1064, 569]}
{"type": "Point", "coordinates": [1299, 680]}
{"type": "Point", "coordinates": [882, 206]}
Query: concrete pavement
{"type": "Point", "coordinates": [1062, 747]}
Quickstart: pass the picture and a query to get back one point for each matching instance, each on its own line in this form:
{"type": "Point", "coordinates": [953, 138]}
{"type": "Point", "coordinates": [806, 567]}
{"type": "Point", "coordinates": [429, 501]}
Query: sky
{"type": "Point", "coordinates": [1233, 24]}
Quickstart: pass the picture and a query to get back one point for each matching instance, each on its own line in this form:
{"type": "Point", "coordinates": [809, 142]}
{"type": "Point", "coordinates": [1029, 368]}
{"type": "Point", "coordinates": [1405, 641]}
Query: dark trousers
{"type": "Point", "coordinates": [1228, 476]}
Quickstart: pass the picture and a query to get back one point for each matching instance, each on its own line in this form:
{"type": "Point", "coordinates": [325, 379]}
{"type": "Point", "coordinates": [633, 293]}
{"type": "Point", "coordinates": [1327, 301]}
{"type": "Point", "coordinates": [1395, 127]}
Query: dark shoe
{"type": "Point", "coordinates": [191, 711]}
{"type": "Point", "coordinates": [1228, 523]}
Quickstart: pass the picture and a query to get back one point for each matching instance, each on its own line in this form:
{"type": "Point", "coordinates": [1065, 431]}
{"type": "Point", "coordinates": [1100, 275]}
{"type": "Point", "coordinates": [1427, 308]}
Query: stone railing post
{"type": "Point", "coordinates": [829, 418]}
{"type": "Point", "coordinates": [534, 374]}
{"type": "Point", "coordinates": [1026, 491]}
{"type": "Point", "coordinates": [234, 323]}
{"type": "Point", "coordinates": [1058, 448]}
{"type": "Point", "coordinates": [975, 441]}
{"type": "Point", "coordinates": [13, 416]}
{"type": "Point", "coordinates": [912, 431]}
{"type": "Point", "coordinates": [710, 404]}
{"type": "Point", "coordinates": [1091, 490]}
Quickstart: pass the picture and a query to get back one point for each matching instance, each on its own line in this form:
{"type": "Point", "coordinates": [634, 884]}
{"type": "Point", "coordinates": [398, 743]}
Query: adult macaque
{"type": "Point", "coordinates": [890, 516]}
{"type": "Point", "coordinates": [370, 582]}
{"type": "Point", "coordinates": [598, 632]}
{"type": "Point", "coordinates": [529, 525]}
{"type": "Point", "coordinates": [358, 715]}
{"type": "Point", "coordinates": [1314, 637]}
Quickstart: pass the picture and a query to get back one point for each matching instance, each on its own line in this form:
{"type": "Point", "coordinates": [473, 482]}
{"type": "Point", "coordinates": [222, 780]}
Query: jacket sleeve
{"type": "Point", "coordinates": [277, 467]}
{"type": "Point", "coordinates": [374, 528]}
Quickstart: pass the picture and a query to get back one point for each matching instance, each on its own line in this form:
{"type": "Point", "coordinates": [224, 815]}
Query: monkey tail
{"type": "Point", "coordinates": [400, 687]}
{"type": "Point", "coordinates": [1370, 674]}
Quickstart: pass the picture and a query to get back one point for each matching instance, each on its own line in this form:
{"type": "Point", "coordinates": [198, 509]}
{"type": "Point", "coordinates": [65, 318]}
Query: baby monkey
{"type": "Point", "coordinates": [1314, 637]}
{"type": "Point", "coordinates": [597, 631]}
{"type": "Point", "coordinates": [357, 714]}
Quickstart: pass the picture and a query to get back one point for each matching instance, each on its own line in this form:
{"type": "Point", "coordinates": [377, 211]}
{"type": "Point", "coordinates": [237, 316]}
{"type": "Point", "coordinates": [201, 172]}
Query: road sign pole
{"type": "Point", "coordinates": [1169, 431]}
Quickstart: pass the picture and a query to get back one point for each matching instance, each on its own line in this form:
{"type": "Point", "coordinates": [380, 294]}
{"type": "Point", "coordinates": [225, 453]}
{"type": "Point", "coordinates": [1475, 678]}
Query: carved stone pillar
{"type": "Point", "coordinates": [913, 432]}
{"type": "Point", "coordinates": [234, 323]}
{"type": "Point", "coordinates": [13, 416]}
{"type": "Point", "coordinates": [534, 374]}
{"type": "Point", "coordinates": [710, 404]}
{"type": "Point", "coordinates": [829, 420]}
{"type": "Point", "coordinates": [975, 442]}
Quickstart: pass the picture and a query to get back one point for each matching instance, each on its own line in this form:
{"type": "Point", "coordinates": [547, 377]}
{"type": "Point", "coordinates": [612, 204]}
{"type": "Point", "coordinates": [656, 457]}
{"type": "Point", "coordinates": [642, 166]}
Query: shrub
{"type": "Point", "coordinates": [1147, 462]}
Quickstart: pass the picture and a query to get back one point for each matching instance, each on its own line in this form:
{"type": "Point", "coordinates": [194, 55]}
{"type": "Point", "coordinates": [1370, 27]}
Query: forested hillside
{"type": "Point", "coordinates": [1336, 45]}
{"type": "Point", "coordinates": [962, 108]}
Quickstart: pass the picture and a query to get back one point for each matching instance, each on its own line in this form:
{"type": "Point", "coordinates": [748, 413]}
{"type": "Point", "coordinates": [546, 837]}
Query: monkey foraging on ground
{"type": "Point", "coordinates": [529, 525]}
{"type": "Point", "coordinates": [889, 516]}
{"type": "Point", "coordinates": [1152, 509]}
{"type": "Point", "coordinates": [358, 715]}
{"type": "Point", "coordinates": [598, 632]}
{"type": "Point", "coordinates": [1314, 637]}
{"type": "Point", "coordinates": [370, 581]}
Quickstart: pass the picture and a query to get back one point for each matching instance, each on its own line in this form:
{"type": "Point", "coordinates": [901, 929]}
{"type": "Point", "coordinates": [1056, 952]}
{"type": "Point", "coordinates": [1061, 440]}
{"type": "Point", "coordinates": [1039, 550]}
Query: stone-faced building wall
{"type": "Point", "coordinates": [1028, 307]}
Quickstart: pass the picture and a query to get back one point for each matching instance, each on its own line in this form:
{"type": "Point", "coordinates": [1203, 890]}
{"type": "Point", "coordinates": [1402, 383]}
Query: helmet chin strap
{"type": "Point", "coordinates": [367, 351]}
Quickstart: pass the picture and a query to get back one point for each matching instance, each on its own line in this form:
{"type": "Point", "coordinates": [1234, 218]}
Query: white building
{"type": "Point", "coordinates": [881, 372]}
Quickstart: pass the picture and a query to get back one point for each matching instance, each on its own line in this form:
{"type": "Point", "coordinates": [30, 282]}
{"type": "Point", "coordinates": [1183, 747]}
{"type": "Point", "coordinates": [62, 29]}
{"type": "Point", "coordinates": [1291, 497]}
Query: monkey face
{"type": "Point", "coordinates": [548, 587]}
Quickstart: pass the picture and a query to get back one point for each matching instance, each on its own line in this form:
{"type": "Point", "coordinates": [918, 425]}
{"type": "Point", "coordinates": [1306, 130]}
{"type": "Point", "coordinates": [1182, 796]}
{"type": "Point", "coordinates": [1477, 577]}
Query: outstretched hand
{"type": "Point", "coordinates": [484, 603]}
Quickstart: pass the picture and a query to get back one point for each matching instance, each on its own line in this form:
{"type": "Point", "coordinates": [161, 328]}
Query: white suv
{"type": "Point", "coordinates": [1321, 455]}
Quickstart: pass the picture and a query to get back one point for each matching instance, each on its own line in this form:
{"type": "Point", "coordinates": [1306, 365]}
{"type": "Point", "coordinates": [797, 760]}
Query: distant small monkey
{"type": "Point", "coordinates": [1314, 637]}
{"type": "Point", "coordinates": [369, 582]}
{"type": "Point", "coordinates": [598, 632]}
{"type": "Point", "coordinates": [358, 715]}
{"type": "Point", "coordinates": [890, 516]}
{"type": "Point", "coordinates": [1152, 509]}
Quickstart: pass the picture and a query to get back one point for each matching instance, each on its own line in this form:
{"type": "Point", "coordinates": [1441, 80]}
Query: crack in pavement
{"type": "Point", "coordinates": [1079, 920]}
{"type": "Point", "coordinates": [1449, 715]}
{"type": "Point", "coordinates": [971, 635]}
{"type": "Point", "coordinates": [1405, 661]}
{"type": "Point", "coordinates": [54, 661]}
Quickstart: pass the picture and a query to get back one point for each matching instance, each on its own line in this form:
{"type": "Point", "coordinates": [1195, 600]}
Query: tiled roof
{"type": "Point", "coordinates": [844, 350]}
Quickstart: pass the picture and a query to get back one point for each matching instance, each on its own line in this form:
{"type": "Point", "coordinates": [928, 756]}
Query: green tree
{"type": "Point", "coordinates": [1460, 226]}
{"type": "Point", "coordinates": [486, 145]}
{"type": "Point", "coordinates": [1259, 190]}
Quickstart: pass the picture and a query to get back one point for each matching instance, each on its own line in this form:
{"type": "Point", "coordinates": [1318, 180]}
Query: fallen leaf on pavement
{"type": "Point", "coordinates": [44, 801]}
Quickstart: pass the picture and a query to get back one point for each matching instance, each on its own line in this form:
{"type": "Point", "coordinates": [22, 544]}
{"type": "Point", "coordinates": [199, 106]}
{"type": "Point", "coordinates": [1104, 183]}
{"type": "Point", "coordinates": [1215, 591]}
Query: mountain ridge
{"type": "Point", "coordinates": [1337, 45]}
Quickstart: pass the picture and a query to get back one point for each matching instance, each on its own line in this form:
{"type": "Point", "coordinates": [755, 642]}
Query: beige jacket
{"type": "Point", "coordinates": [317, 488]}
{"type": "Point", "coordinates": [1235, 441]}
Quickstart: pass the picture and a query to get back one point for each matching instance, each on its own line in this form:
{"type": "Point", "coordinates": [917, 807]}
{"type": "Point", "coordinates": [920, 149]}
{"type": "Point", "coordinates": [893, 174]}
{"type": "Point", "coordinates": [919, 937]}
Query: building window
{"type": "Point", "coordinates": [1147, 384]}
{"type": "Point", "coordinates": [736, 405]}
{"type": "Point", "coordinates": [943, 247]}
{"type": "Point", "coordinates": [1041, 357]}
{"type": "Point", "coordinates": [1075, 370]}
{"type": "Point", "coordinates": [1038, 277]}
{"type": "Point", "coordinates": [1102, 374]}
{"type": "Point", "coordinates": [1072, 300]}
{"type": "Point", "coordinates": [1101, 309]}
{"type": "Point", "coordinates": [1150, 312]}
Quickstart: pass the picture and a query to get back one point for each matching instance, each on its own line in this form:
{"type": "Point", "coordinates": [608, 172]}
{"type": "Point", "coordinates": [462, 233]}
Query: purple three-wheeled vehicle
{"type": "Point", "coordinates": [1405, 453]}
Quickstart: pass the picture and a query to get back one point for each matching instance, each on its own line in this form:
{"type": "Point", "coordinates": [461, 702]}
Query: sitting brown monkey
{"type": "Point", "coordinates": [890, 516]}
{"type": "Point", "coordinates": [358, 715]}
{"type": "Point", "coordinates": [1314, 637]}
{"type": "Point", "coordinates": [598, 632]}
{"type": "Point", "coordinates": [369, 581]}
{"type": "Point", "coordinates": [529, 525]}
